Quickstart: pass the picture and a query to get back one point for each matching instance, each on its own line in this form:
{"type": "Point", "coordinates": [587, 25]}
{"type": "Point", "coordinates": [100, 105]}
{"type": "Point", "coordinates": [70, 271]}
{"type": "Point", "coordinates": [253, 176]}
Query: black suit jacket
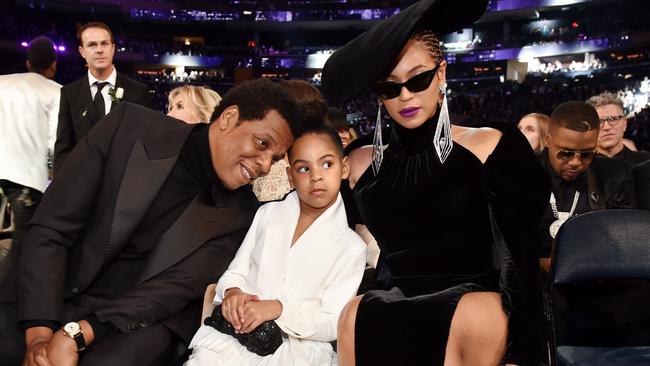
{"type": "Point", "coordinates": [642, 182]}
{"type": "Point", "coordinates": [96, 203]}
{"type": "Point", "coordinates": [632, 157]}
{"type": "Point", "coordinates": [78, 114]}
{"type": "Point", "coordinates": [611, 184]}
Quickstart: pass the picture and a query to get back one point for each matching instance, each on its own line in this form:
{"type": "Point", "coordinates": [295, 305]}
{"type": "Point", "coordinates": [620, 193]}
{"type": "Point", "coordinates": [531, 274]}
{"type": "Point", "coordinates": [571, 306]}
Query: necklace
{"type": "Point", "coordinates": [561, 217]}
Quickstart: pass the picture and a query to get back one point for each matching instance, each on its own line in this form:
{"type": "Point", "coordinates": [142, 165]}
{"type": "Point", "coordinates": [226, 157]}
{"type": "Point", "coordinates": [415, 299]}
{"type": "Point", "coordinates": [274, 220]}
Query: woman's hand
{"type": "Point", "coordinates": [256, 313]}
{"type": "Point", "coordinates": [232, 307]}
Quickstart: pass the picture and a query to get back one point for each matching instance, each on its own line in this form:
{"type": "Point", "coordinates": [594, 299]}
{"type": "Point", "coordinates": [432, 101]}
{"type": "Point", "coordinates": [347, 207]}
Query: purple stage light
{"type": "Point", "coordinates": [62, 48]}
{"type": "Point", "coordinates": [24, 44]}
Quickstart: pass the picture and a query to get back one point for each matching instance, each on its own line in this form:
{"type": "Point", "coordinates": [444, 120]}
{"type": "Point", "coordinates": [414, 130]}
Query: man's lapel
{"type": "Point", "coordinates": [143, 177]}
{"type": "Point", "coordinates": [89, 114]}
{"type": "Point", "coordinates": [201, 220]}
{"type": "Point", "coordinates": [119, 83]}
{"type": "Point", "coordinates": [596, 198]}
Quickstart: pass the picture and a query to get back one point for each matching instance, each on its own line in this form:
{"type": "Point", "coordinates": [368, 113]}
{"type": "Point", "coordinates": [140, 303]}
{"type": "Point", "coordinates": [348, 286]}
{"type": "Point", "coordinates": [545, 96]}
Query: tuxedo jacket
{"type": "Point", "coordinates": [642, 182]}
{"type": "Point", "coordinates": [78, 114]}
{"type": "Point", "coordinates": [93, 207]}
{"type": "Point", "coordinates": [611, 184]}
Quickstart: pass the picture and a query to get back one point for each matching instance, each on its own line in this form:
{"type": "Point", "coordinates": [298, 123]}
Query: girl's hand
{"type": "Point", "coordinates": [232, 307]}
{"type": "Point", "coordinates": [256, 313]}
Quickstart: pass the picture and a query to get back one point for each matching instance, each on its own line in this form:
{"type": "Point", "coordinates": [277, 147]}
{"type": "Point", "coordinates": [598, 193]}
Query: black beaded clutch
{"type": "Point", "coordinates": [264, 340]}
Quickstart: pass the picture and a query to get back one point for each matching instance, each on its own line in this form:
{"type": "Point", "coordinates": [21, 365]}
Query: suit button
{"type": "Point", "coordinates": [75, 290]}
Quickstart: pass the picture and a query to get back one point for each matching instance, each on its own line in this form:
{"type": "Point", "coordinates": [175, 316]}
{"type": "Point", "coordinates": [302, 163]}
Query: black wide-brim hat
{"type": "Point", "coordinates": [359, 64]}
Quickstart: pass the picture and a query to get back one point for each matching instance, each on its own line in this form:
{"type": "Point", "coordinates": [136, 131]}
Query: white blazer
{"type": "Point", "coordinates": [313, 280]}
{"type": "Point", "coordinates": [29, 111]}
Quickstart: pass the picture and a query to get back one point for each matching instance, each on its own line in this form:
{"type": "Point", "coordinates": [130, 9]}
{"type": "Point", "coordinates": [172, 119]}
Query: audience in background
{"type": "Point", "coordinates": [192, 104]}
{"type": "Point", "coordinates": [85, 101]}
{"type": "Point", "coordinates": [582, 181]}
{"type": "Point", "coordinates": [535, 126]}
{"type": "Point", "coordinates": [338, 121]}
{"type": "Point", "coordinates": [29, 108]}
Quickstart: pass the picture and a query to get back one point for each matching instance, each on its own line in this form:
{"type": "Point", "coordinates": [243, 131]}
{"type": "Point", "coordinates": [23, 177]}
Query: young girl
{"type": "Point", "coordinates": [298, 266]}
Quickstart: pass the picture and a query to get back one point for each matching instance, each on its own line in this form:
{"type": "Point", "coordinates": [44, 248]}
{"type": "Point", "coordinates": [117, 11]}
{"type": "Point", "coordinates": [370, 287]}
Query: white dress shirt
{"type": "Point", "coordinates": [29, 110]}
{"type": "Point", "coordinates": [111, 80]}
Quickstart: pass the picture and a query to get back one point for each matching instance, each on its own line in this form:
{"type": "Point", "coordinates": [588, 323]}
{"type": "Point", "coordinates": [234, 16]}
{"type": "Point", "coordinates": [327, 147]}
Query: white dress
{"type": "Point", "coordinates": [313, 280]}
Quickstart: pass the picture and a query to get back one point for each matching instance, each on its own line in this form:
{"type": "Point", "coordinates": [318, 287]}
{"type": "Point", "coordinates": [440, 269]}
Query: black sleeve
{"type": "Point", "coordinates": [100, 330]}
{"type": "Point", "coordinates": [145, 98]}
{"type": "Point", "coordinates": [24, 324]}
{"type": "Point", "coordinates": [171, 290]}
{"type": "Point", "coordinates": [642, 184]}
{"type": "Point", "coordinates": [518, 189]}
{"type": "Point", "coordinates": [65, 138]}
{"type": "Point", "coordinates": [60, 218]}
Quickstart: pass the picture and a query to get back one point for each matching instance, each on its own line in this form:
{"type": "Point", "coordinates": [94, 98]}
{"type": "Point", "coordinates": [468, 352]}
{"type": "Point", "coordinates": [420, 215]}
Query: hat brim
{"type": "Point", "coordinates": [356, 66]}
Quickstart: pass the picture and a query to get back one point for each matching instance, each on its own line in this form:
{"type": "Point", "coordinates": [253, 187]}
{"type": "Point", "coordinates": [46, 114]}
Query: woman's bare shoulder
{"type": "Point", "coordinates": [360, 159]}
{"type": "Point", "coordinates": [480, 141]}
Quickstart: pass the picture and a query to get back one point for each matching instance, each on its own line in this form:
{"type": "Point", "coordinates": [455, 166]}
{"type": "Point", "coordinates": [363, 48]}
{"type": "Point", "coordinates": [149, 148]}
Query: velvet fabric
{"type": "Point", "coordinates": [445, 230]}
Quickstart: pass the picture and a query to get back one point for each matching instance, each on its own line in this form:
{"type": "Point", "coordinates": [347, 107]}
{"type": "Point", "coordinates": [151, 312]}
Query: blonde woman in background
{"type": "Point", "coordinates": [534, 126]}
{"type": "Point", "coordinates": [192, 104]}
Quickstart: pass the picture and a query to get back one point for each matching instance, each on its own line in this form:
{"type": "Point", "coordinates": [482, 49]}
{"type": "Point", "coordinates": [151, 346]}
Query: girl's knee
{"type": "Point", "coordinates": [348, 317]}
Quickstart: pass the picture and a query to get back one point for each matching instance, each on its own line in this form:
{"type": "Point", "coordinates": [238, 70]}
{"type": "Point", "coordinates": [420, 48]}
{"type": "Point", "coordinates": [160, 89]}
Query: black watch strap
{"type": "Point", "coordinates": [81, 342]}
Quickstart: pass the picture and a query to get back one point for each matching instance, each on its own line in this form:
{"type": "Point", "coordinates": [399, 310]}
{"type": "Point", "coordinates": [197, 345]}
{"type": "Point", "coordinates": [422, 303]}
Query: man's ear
{"type": "Point", "coordinates": [228, 118]}
{"type": "Point", "coordinates": [290, 177]}
{"type": "Point", "coordinates": [547, 138]}
{"type": "Point", "coordinates": [345, 174]}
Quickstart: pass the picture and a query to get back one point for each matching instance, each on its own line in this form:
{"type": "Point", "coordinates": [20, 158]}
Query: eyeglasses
{"type": "Point", "coordinates": [584, 155]}
{"type": "Point", "coordinates": [612, 120]}
{"type": "Point", "coordinates": [418, 83]}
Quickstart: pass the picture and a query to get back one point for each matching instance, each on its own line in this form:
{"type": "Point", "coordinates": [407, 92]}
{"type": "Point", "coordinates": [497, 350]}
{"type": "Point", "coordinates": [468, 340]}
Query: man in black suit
{"type": "Point", "coordinates": [144, 214]}
{"type": "Point", "coordinates": [582, 181]}
{"type": "Point", "coordinates": [85, 101]}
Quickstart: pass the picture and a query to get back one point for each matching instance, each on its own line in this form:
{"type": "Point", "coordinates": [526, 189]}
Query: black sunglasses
{"type": "Point", "coordinates": [418, 83]}
{"type": "Point", "coordinates": [584, 155]}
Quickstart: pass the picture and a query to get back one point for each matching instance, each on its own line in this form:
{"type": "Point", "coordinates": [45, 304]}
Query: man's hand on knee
{"type": "Point", "coordinates": [62, 350]}
{"type": "Point", "coordinates": [36, 342]}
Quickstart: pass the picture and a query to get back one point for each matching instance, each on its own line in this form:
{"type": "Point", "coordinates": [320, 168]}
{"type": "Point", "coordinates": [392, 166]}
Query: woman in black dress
{"type": "Point", "coordinates": [456, 219]}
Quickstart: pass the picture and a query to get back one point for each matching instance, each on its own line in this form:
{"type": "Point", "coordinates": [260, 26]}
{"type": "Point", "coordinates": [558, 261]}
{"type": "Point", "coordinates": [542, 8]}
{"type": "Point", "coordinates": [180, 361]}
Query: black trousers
{"type": "Point", "coordinates": [24, 201]}
{"type": "Point", "coordinates": [152, 346]}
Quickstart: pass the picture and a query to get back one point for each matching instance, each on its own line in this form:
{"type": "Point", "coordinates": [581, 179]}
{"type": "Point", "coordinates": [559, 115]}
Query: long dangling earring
{"type": "Point", "coordinates": [377, 142]}
{"type": "Point", "coordinates": [442, 138]}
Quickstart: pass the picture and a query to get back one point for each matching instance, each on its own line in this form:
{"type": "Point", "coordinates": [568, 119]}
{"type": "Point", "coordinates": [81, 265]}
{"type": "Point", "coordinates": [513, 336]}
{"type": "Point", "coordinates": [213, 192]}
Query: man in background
{"type": "Point", "coordinates": [612, 127]}
{"type": "Point", "coordinates": [29, 106]}
{"type": "Point", "coordinates": [582, 181]}
{"type": "Point", "coordinates": [85, 101]}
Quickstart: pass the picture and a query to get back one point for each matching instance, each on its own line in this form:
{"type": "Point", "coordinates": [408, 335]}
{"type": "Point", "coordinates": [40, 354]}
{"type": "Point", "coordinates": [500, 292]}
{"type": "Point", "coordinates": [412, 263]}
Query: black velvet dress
{"type": "Point", "coordinates": [445, 230]}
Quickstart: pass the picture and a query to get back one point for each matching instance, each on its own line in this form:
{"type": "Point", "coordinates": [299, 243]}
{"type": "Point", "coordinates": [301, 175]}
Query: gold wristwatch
{"type": "Point", "coordinates": [73, 330]}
